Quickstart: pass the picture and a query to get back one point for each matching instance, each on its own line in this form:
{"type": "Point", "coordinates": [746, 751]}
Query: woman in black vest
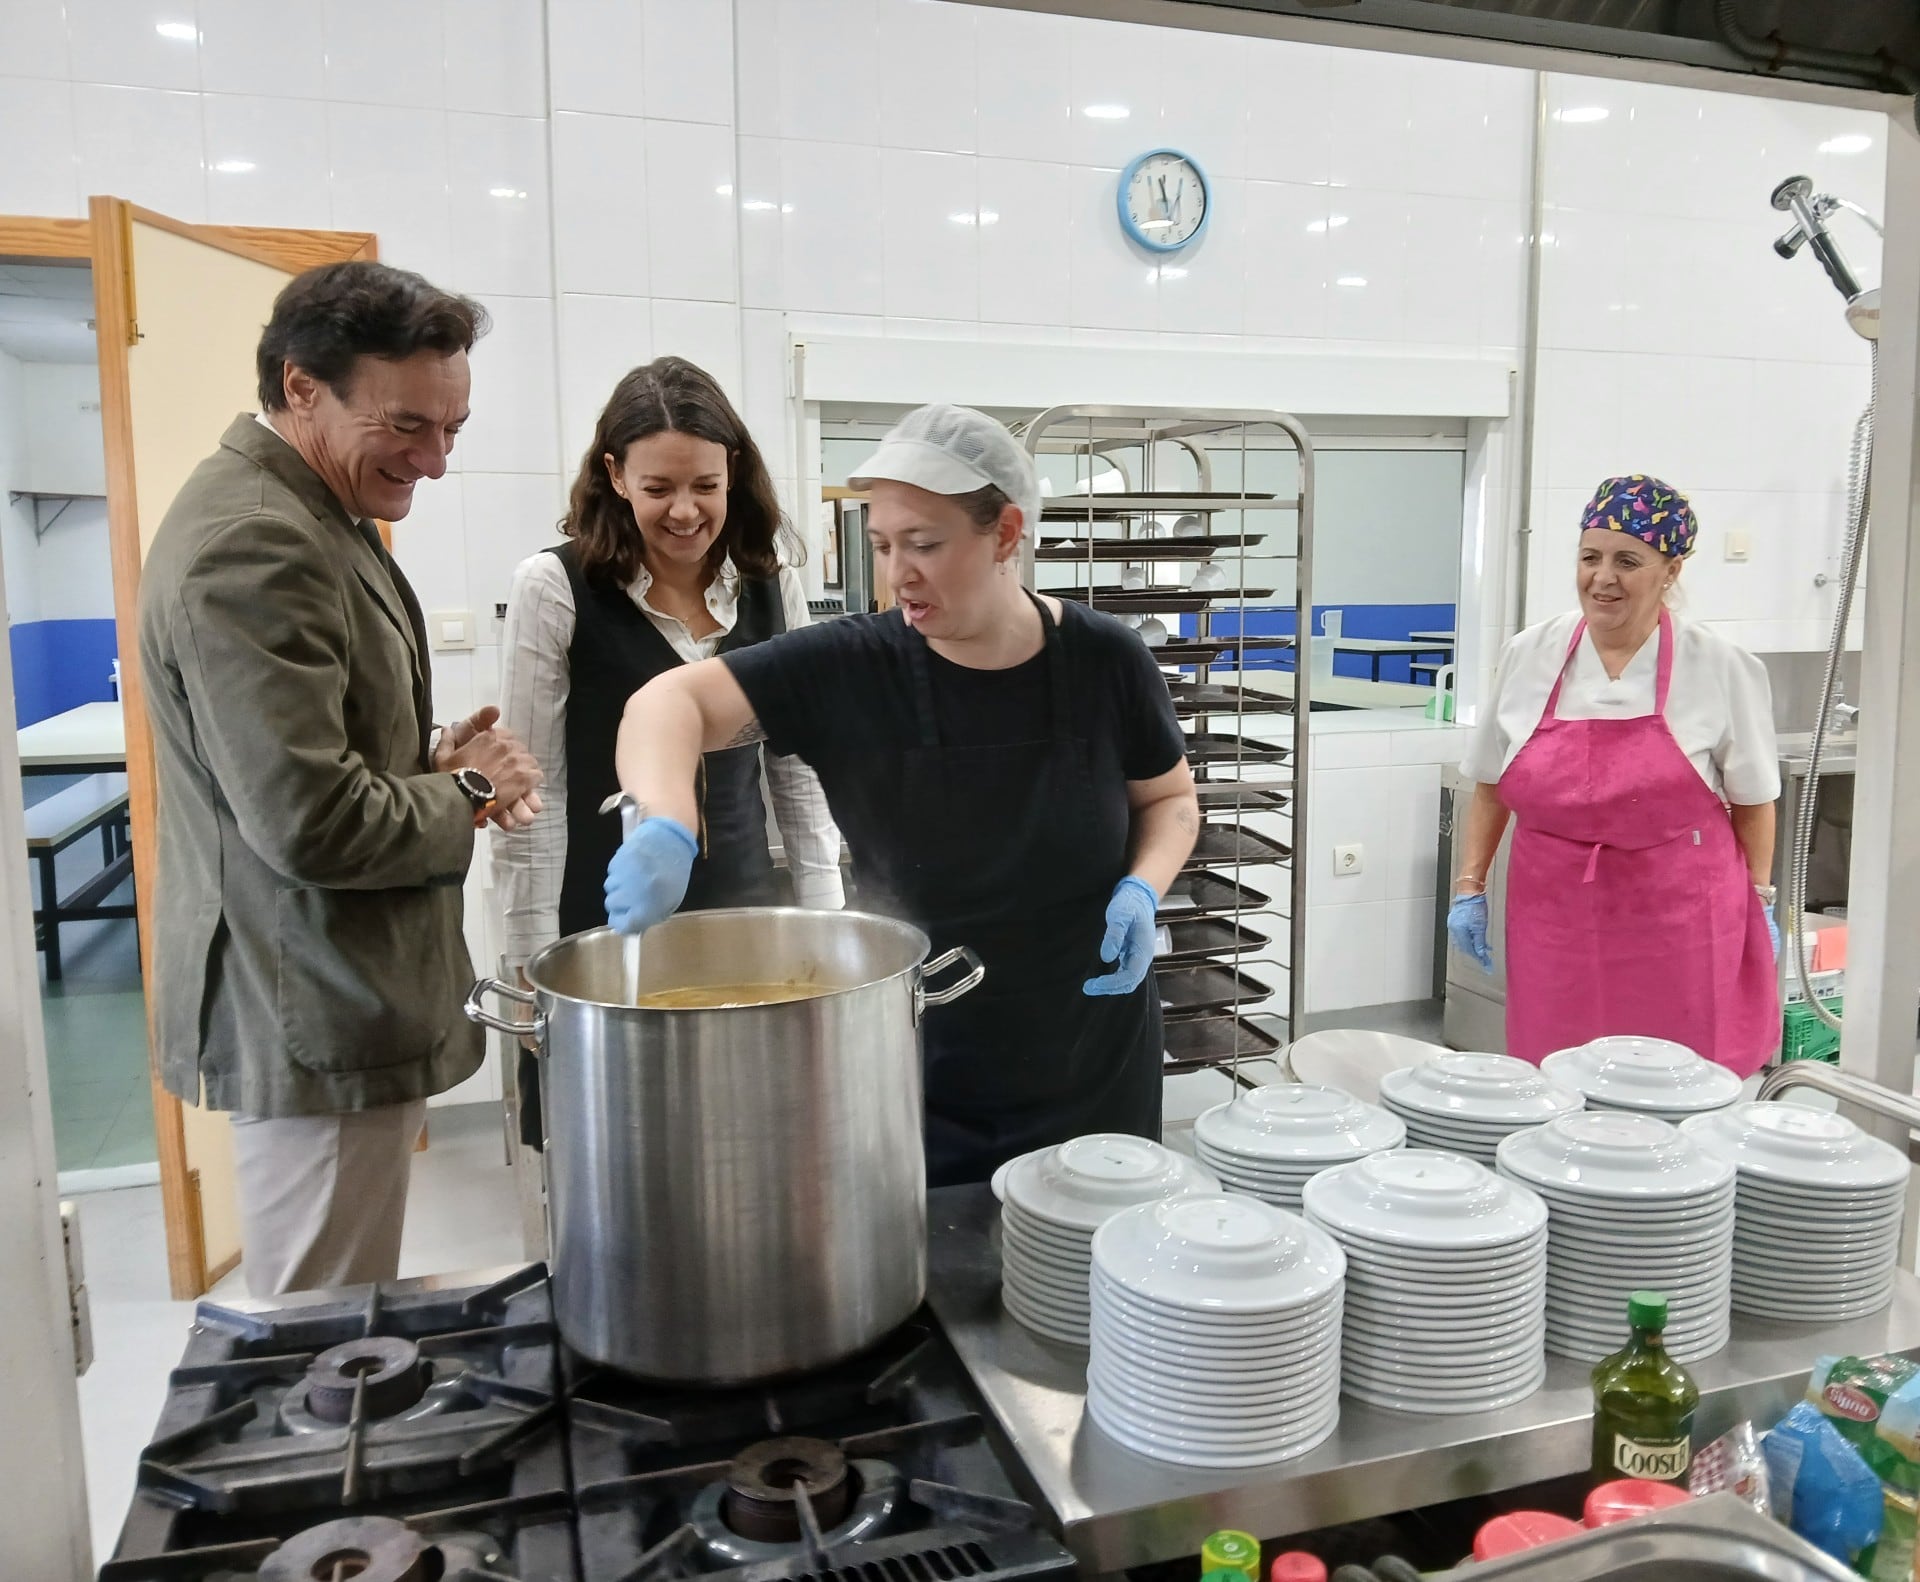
{"type": "Point", "coordinates": [673, 531]}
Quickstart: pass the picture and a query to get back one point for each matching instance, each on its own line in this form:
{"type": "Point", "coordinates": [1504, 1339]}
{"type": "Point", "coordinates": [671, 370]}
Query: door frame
{"type": "Point", "coordinates": [104, 240]}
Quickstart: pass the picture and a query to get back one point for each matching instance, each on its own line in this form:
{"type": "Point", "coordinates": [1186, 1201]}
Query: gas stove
{"type": "Point", "coordinates": [431, 1430]}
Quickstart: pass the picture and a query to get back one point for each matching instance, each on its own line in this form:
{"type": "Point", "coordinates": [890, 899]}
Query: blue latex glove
{"type": "Point", "coordinates": [648, 876]}
{"type": "Point", "coordinates": [1773, 930]}
{"type": "Point", "coordinates": [1129, 939]}
{"type": "Point", "coordinates": [1467, 928]}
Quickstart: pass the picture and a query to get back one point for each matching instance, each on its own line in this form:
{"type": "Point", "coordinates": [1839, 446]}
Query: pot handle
{"type": "Point", "coordinates": [477, 1011]}
{"type": "Point", "coordinates": [946, 958]}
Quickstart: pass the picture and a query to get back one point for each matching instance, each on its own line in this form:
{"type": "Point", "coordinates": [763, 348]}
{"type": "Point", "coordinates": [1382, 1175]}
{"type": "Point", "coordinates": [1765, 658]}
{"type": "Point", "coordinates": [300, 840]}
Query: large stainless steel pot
{"type": "Point", "coordinates": [734, 1193]}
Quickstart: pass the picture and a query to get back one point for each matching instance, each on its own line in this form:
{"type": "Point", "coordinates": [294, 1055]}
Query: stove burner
{"type": "Point", "coordinates": [386, 1368]}
{"type": "Point", "coordinates": [354, 1549]}
{"type": "Point", "coordinates": [767, 1481]}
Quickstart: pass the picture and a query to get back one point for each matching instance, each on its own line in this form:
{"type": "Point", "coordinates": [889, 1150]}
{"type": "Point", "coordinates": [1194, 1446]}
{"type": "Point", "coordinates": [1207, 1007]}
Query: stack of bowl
{"type": "Point", "coordinates": [1648, 1076]}
{"type": "Point", "coordinates": [1465, 1103]}
{"type": "Point", "coordinates": [1632, 1205]}
{"type": "Point", "coordinates": [1216, 1331]}
{"type": "Point", "coordinates": [1817, 1212]}
{"type": "Point", "coordinates": [1053, 1200]}
{"type": "Point", "coordinates": [1446, 1281]}
{"type": "Point", "coordinates": [1269, 1142]}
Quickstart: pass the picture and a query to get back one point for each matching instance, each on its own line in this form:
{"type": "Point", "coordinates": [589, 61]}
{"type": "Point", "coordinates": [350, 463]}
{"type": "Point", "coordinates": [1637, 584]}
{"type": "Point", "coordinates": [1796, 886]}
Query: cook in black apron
{"type": "Point", "coordinates": [1014, 851]}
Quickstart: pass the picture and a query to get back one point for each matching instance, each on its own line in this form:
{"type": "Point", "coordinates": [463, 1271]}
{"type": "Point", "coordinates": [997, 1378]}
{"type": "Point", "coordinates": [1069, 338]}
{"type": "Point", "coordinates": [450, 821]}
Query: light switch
{"type": "Point", "coordinates": [1739, 544]}
{"type": "Point", "coordinates": [450, 629]}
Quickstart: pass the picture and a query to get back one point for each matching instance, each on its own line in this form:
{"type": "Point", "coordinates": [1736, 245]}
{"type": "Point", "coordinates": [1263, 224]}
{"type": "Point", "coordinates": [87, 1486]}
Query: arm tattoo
{"type": "Point", "coordinates": [753, 731]}
{"type": "Point", "coordinates": [1188, 818]}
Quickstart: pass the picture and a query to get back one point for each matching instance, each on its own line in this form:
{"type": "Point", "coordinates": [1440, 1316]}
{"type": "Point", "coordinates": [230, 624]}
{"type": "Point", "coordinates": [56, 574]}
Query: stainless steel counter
{"type": "Point", "coordinates": [1117, 1509]}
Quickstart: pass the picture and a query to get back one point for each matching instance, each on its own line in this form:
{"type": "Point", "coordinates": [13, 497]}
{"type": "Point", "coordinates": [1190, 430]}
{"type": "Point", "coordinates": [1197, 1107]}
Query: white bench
{"type": "Point", "coordinates": [55, 823]}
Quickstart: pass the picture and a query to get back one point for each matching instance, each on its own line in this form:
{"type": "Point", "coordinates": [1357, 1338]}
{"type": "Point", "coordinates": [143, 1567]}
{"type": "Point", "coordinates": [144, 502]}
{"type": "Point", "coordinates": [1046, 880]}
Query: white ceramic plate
{"type": "Point", "coordinates": [1065, 1333]}
{"type": "Point", "coordinates": [1082, 1183]}
{"type": "Point", "coordinates": [1353, 1059]}
{"type": "Point", "coordinates": [1203, 1426]}
{"type": "Point", "coordinates": [1478, 1087]}
{"type": "Point", "coordinates": [1298, 1122]}
{"type": "Point", "coordinates": [1490, 1259]}
{"type": "Point", "coordinates": [1364, 1326]}
{"type": "Point", "coordinates": [1217, 1253]}
{"type": "Point", "coordinates": [1643, 1074]}
{"type": "Point", "coordinates": [1186, 1368]}
{"type": "Point", "coordinates": [1044, 1266]}
{"type": "Point", "coordinates": [1237, 1402]}
{"type": "Point", "coordinates": [1650, 1215]}
{"type": "Point", "coordinates": [1188, 1454]}
{"type": "Point", "coordinates": [1799, 1146]}
{"type": "Point", "coordinates": [1611, 1155]}
{"type": "Point", "coordinates": [1226, 1325]}
{"type": "Point", "coordinates": [1040, 1305]}
{"type": "Point", "coordinates": [1450, 1360]}
{"type": "Point", "coordinates": [1414, 1198]}
{"type": "Point", "coordinates": [1396, 1401]}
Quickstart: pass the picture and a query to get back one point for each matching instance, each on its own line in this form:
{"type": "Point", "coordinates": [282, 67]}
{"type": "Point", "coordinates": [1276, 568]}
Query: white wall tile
{"type": "Point", "coordinates": [599, 195]}
{"type": "Point", "coordinates": [757, 189]}
{"type": "Point", "coordinates": [390, 176]}
{"type": "Point", "coordinates": [763, 344]}
{"type": "Point", "coordinates": [1470, 131]}
{"type": "Point", "coordinates": [1023, 84]}
{"type": "Point", "coordinates": [1288, 259]}
{"type": "Point", "coordinates": [706, 333]}
{"type": "Point", "coordinates": [33, 39]}
{"type": "Point", "coordinates": [1407, 943]}
{"type": "Point", "coordinates": [509, 516]}
{"type": "Point", "coordinates": [691, 211]}
{"type": "Point", "coordinates": [931, 234]}
{"type": "Point", "coordinates": [687, 60]}
{"type": "Point", "coordinates": [1204, 92]}
{"type": "Point", "coordinates": [1289, 136]}
{"type": "Point", "coordinates": [1345, 806]}
{"type": "Point", "coordinates": [1024, 253]}
{"type": "Point", "coordinates": [1447, 261]}
{"type": "Point", "coordinates": [39, 115]}
{"type": "Point", "coordinates": [266, 166]}
{"type": "Point", "coordinates": [249, 48]}
{"type": "Point", "coordinates": [1344, 962]}
{"type": "Point", "coordinates": [386, 52]}
{"type": "Point", "coordinates": [1369, 119]}
{"type": "Point", "coordinates": [1350, 750]}
{"type": "Point", "coordinates": [1113, 284]}
{"type": "Point", "coordinates": [830, 70]}
{"type": "Point", "coordinates": [143, 144]}
{"type": "Point", "coordinates": [927, 75]}
{"type": "Point", "coordinates": [496, 56]}
{"type": "Point", "coordinates": [120, 42]}
{"type": "Point", "coordinates": [601, 340]}
{"type": "Point", "coordinates": [1691, 419]}
{"type": "Point", "coordinates": [498, 207]}
{"type": "Point", "coordinates": [512, 427]}
{"type": "Point", "coordinates": [1589, 147]}
{"type": "Point", "coordinates": [1203, 286]}
{"type": "Point", "coordinates": [430, 544]}
{"type": "Point", "coordinates": [831, 228]}
{"type": "Point", "coordinates": [1114, 76]}
{"type": "Point", "coordinates": [1413, 812]}
{"type": "Point", "coordinates": [1577, 413]}
{"type": "Point", "coordinates": [756, 67]}
{"type": "Point", "coordinates": [595, 56]}
{"type": "Point", "coordinates": [1583, 296]}
{"type": "Point", "coordinates": [1504, 244]}
{"type": "Point", "coordinates": [1368, 262]}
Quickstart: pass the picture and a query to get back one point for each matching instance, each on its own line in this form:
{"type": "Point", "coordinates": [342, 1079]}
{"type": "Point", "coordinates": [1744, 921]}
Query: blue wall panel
{"type": "Point", "coordinates": [58, 665]}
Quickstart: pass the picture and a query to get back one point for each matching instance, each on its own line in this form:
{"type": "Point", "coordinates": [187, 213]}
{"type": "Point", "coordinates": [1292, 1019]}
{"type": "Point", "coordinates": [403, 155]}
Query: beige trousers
{"type": "Point", "coordinates": [322, 1198]}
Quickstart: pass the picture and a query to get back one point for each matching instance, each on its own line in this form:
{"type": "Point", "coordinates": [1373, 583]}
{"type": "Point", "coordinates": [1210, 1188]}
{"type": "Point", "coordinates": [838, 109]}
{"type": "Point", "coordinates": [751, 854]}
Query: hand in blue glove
{"type": "Point", "coordinates": [648, 876]}
{"type": "Point", "coordinates": [1467, 928]}
{"type": "Point", "coordinates": [1129, 940]}
{"type": "Point", "coordinates": [1773, 930]}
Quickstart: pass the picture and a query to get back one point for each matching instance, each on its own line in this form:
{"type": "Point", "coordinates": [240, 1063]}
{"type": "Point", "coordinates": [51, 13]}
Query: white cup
{"type": "Point", "coordinates": [1153, 631]}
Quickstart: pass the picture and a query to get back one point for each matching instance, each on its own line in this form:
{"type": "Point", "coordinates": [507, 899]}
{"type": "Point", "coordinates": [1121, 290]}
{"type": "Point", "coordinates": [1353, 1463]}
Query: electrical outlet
{"type": "Point", "coordinates": [1349, 860]}
{"type": "Point", "coordinates": [1739, 544]}
{"type": "Point", "coordinates": [450, 630]}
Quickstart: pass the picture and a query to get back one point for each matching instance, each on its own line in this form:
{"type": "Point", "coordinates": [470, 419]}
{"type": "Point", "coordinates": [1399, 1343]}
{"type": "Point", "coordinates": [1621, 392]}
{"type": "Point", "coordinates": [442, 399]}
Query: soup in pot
{"type": "Point", "coordinates": [726, 996]}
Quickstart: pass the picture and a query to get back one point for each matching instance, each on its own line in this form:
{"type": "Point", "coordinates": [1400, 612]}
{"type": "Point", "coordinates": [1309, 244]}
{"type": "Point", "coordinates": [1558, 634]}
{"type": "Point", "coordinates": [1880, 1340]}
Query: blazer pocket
{"type": "Point", "coordinates": [361, 977]}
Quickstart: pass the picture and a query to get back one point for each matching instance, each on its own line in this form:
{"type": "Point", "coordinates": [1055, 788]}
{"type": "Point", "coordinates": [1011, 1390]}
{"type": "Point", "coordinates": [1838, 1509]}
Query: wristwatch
{"type": "Point", "coordinates": [477, 789]}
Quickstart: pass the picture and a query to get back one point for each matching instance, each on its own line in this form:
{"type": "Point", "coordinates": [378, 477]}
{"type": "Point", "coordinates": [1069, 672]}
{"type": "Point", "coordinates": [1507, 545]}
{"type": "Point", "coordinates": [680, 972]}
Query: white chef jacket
{"type": "Point", "coordinates": [528, 863]}
{"type": "Point", "coordinates": [1719, 703]}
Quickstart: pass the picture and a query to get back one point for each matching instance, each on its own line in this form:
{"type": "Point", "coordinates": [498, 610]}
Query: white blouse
{"type": "Point", "coordinates": [528, 863]}
{"type": "Point", "coordinates": [1719, 704]}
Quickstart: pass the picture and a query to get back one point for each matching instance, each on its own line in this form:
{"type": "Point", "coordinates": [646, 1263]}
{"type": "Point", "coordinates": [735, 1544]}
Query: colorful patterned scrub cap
{"type": "Point", "coordinates": [1656, 513]}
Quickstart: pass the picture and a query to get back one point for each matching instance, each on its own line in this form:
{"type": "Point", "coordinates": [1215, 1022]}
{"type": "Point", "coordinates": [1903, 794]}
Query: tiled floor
{"type": "Point", "coordinates": [461, 1214]}
{"type": "Point", "coordinates": [96, 1029]}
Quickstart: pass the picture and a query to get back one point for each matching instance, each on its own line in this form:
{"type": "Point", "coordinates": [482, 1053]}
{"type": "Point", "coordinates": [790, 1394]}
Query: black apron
{"type": "Point", "coordinates": [615, 651]}
{"type": "Point", "coordinates": [1014, 851]}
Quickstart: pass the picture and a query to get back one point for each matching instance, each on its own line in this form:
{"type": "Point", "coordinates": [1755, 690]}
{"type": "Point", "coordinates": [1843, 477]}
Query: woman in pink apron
{"type": "Point", "coordinates": [1635, 755]}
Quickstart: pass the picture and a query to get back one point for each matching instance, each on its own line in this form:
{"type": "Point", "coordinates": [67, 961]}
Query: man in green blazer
{"type": "Point", "coordinates": [315, 827]}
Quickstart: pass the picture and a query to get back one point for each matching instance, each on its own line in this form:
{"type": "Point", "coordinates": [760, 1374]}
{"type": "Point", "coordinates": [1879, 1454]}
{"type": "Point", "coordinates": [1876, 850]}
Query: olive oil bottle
{"type": "Point", "coordinates": [1643, 1403]}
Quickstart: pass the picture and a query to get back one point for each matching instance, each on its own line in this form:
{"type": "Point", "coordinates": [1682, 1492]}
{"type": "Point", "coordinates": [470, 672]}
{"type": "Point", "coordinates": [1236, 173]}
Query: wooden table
{"type": "Point", "coordinates": [87, 740]}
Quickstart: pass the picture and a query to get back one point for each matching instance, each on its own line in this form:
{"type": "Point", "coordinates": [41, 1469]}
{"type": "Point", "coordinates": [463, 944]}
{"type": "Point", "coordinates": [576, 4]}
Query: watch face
{"type": "Point", "coordinates": [1163, 200]}
{"type": "Point", "coordinates": [477, 786]}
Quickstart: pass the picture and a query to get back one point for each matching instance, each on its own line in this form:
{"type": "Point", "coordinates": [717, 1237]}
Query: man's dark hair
{"type": "Point", "coordinates": [324, 319]}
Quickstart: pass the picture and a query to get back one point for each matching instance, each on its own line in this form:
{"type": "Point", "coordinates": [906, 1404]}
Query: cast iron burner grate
{"type": "Point", "coordinates": [878, 1470]}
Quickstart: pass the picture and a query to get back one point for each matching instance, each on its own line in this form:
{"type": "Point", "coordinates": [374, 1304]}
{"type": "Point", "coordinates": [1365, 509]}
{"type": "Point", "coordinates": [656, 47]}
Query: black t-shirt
{"type": "Point", "coordinates": [839, 695]}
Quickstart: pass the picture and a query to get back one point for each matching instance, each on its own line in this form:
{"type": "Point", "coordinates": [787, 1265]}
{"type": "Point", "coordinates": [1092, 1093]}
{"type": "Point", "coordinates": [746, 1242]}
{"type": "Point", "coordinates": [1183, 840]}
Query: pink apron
{"type": "Point", "coordinates": [1630, 909]}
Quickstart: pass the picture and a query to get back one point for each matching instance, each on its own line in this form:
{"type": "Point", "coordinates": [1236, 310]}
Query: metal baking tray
{"type": "Point", "coordinates": [1203, 938]}
{"type": "Point", "coordinates": [1203, 651]}
{"type": "Point", "coordinates": [1145, 548]}
{"type": "Point", "coordinates": [1192, 1042]}
{"type": "Point", "coordinates": [1185, 502]}
{"type": "Point", "coordinates": [1141, 601]}
{"type": "Point", "coordinates": [1206, 988]}
{"type": "Point", "coordinates": [1242, 796]}
{"type": "Point", "coordinates": [1204, 894]}
{"type": "Point", "coordinates": [1211, 747]}
{"type": "Point", "coordinates": [1205, 697]}
{"type": "Point", "coordinates": [1226, 845]}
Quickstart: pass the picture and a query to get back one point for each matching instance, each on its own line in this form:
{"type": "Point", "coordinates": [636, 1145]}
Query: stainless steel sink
{"type": "Point", "coordinates": [1718, 1539]}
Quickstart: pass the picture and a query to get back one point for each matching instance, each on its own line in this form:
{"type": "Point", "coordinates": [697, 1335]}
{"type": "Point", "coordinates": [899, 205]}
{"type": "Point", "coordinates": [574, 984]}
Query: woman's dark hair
{"type": "Point", "coordinates": [326, 318]}
{"type": "Point", "coordinates": [671, 395]}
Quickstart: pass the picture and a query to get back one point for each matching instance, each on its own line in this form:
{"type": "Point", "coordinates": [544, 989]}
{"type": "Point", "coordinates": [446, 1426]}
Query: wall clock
{"type": "Point", "coordinates": [1164, 200]}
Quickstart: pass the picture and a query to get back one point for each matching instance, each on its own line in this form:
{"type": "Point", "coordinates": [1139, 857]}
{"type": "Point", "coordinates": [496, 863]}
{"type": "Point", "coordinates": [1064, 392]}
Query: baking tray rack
{"type": "Point", "coordinates": [1202, 938]}
{"type": "Point", "coordinates": [1209, 986]}
{"type": "Point", "coordinates": [1203, 894]}
{"type": "Point", "coordinates": [1194, 1043]}
{"type": "Point", "coordinates": [1126, 549]}
{"type": "Point", "coordinates": [1153, 601]}
{"type": "Point", "coordinates": [1243, 796]}
{"type": "Point", "coordinates": [1191, 698]}
{"type": "Point", "coordinates": [1215, 747]}
{"type": "Point", "coordinates": [1233, 845]}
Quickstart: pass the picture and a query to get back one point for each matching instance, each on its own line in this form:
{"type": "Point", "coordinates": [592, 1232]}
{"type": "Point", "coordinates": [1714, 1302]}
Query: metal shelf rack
{"type": "Point", "coordinates": [1118, 551]}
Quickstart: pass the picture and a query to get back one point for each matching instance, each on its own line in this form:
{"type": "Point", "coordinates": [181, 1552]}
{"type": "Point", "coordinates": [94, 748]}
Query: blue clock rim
{"type": "Point", "coordinates": [1126, 220]}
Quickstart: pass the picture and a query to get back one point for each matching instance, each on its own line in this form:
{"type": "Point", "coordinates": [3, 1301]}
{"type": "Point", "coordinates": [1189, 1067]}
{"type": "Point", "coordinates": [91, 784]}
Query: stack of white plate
{"type": "Point", "coordinates": [1216, 1331]}
{"type": "Point", "coordinates": [1632, 1205]}
{"type": "Point", "coordinates": [1648, 1076]}
{"type": "Point", "coordinates": [1464, 1104]}
{"type": "Point", "coordinates": [1269, 1142]}
{"type": "Point", "coordinates": [1817, 1213]}
{"type": "Point", "coordinates": [1053, 1200]}
{"type": "Point", "coordinates": [1446, 1281]}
